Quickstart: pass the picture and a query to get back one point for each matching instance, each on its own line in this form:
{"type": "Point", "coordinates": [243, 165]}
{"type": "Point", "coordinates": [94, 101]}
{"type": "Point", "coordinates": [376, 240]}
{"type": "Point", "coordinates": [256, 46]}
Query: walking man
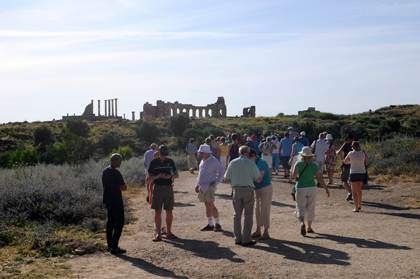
{"type": "Point", "coordinates": [345, 169]}
{"type": "Point", "coordinates": [192, 155]}
{"type": "Point", "coordinates": [147, 158]}
{"type": "Point", "coordinates": [162, 171]}
{"type": "Point", "coordinates": [113, 183]}
{"type": "Point", "coordinates": [319, 148]}
{"type": "Point", "coordinates": [241, 174]}
{"type": "Point", "coordinates": [293, 133]}
{"type": "Point", "coordinates": [211, 173]}
{"type": "Point", "coordinates": [286, 151]}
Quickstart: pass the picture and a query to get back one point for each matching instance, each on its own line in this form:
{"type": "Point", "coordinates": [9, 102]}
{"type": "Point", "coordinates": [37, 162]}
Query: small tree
{"type": "Point", "coordinates": [178, 124]}
{"type": "Point", "coordinates": [43, 137]}
{"type": "Point", "coordinates": [78, 127]}
{"type": "Point", "coordinates": [148, 132]}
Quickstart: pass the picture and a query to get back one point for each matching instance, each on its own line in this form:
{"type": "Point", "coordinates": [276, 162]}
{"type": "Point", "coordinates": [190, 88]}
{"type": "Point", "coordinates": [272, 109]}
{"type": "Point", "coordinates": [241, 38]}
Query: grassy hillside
{"type": "Point", "coordinates": [104, 136]}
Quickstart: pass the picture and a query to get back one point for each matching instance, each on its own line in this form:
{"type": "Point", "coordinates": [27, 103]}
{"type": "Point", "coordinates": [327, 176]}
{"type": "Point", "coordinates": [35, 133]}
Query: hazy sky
{"type": "Point", "coordinates": [281, 56]}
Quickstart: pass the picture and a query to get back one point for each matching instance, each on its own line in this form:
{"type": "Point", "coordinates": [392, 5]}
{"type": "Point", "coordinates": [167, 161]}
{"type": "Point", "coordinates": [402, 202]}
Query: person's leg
{"type": "Point", "coordinates": [310, 206]}
{"type": "Point", "coordinates": [110, 225]}
{"type": "Point", "coordinates": [237, 216]}
{"type": "Point", "coordinates": [258, 212]}
{"type": "Point", "coordinates": [359, 194]}
{"type": "Point", "coordinates": [355, 195]}
{"type": "Point", "coordinates": [169, 218]}
{"type": "Point", "coordinates": [301, 200]}
{"type": "Point", "coordinates": [345, 173]}
{"type": "Point", "coordinates": [249, 200]}
{"type": "Point", "coordinates": [266, 198]}
{"type": "Point", "coordinates": [119, 225]}
{"type": "Point", "coordinates": [158, 222]}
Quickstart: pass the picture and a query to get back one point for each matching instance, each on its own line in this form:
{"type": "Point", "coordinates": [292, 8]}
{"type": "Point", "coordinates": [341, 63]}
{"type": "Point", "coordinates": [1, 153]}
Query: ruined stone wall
{"type": "Point", "coordinates": [167, 109]}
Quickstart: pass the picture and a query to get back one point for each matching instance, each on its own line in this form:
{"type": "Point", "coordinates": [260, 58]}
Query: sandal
{"type": "Point", "coordinates": [157, 238]}
{"type": "Point", "coordinates": [355, 210]}
{"type": "Point", "coordinates": [255, 234]}
{"type": "Point", "coordinates": [265, 236]}
{"type": "Point", "coordinates": [310, 230]}
{"type": "Point", "coordinates": [171, 236]}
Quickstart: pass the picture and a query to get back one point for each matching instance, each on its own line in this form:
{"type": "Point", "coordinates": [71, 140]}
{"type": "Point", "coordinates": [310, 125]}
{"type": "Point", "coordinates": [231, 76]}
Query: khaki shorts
{"type": "Point", "coordinates": [345, 173]}
{"type": "Point", "coordinates": [163, 196]}
{"type": "Point", "coordinates": [208, 196]}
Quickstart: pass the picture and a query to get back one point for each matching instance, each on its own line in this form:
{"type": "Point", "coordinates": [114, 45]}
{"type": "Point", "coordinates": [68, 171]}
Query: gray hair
{"type": "Point", "coordinates": [244, 149]}
{"type": "Point", "coordinates": [306, 159]}
{"type": "Point", "coordinates": [322, 136]}
{"type": "Point", "coordinates": [115, 157]}
{"type": "Point", "coordinates": [153, 145]}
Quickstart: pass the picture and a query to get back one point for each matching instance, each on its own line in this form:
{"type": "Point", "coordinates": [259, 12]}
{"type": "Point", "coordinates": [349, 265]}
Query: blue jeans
{"type": "Point", "coordinates": [276, 160]}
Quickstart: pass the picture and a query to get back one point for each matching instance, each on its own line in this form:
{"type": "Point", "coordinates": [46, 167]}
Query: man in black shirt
{"type": "Point", "coordinates": [345, 169]}
{"type": "Point", "coordinates": [113, 183]}
{"type": "Point", "coordinates": [162, 172]}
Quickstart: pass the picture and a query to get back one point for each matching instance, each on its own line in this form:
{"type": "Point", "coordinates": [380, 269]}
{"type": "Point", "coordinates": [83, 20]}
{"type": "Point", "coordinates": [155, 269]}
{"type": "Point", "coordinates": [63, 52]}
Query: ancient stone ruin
{"type": "Point", "coordinates": [110, 111]}
{"type": "Point", "coordinates": [161, 110]}
{"type": "Point", "coordinates": [167, 109]}
{"type": "Point", "coordinates": [310, 110]}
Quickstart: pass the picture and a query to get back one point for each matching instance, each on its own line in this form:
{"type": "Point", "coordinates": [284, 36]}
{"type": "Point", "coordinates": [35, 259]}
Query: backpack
{"type": "Point", "coordinates": [266, 148]}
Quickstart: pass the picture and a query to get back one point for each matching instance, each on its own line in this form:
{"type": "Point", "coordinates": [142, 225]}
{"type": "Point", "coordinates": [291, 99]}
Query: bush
{"type": "Point", "coordinates": [125, 152]}
{"type": "Point", "coordinates": [43, 136]}
{"type": "Point", "coordinates": [107, 142]}
{"type": "Point", "coordinates": [28, 157]}
{"type": "Point", "coordinates": [78, 127]}
{"type": "Point", "coordinates": [178, 124]}
{"type": "Point", "coordinates": [148, 132]}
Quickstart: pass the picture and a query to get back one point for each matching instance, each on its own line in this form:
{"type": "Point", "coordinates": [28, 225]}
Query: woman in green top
{"type": "Point", "coordinates": [304, 171]}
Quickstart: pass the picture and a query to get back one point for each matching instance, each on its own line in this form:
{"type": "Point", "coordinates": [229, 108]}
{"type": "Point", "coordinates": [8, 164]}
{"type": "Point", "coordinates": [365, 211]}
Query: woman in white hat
{"type": "Point", "coordinates": [331, 158]}
{"type": "Point", "coordinates": [304, 171]}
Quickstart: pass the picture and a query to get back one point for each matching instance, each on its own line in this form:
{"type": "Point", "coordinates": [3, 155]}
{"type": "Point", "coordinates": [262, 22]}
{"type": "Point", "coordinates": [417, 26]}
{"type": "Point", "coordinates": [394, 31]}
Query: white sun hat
{"type": "Point", "coordinates": [204, 148]}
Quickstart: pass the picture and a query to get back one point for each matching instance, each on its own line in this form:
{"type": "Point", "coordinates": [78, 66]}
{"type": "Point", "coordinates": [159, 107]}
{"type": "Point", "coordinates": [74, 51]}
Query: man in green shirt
{"type": "Point", "coordinates": [241, 174]}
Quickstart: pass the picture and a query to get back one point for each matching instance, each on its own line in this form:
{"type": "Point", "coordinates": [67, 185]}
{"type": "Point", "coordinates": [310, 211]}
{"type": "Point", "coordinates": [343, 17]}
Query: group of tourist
{"type": "Point", "coordinates": [246, 164]}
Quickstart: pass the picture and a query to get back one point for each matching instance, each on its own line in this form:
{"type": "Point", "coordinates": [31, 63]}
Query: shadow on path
{"type": "Point", "coordinates": [181, 192]}
{"type": "Point", "coordinates": [312, 253]}
{"type": "Point", "coordinates": [274, 203]}
{"type": "Point", "coordinates": [384, 206]}
{"type": "Point", "coordinates": [362, 243]}
{"type": "Point", "coordinates": [149, 267]}
{"type": "Point", "coordinates": [403, 215]}
{"type": "Point", "coordinates": [206, 249]}
{"type": "Point", "coordinates": [180, 204]}
{"type": "Point", "coordinates": [224, 196]}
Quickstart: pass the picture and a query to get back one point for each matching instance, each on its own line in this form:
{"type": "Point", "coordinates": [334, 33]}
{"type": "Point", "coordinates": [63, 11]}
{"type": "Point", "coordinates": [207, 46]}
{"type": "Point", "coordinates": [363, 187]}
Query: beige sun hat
{"type": "Point", "coordinates": [204, 148]}
{"type": "Point", "coordinates": [306, 152]}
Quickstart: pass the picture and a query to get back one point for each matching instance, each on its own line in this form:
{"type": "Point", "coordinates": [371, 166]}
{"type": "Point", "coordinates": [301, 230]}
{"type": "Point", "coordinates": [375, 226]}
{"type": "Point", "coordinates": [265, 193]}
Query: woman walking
{"type": "Point", "coordinates": [304, 171]}
{"type": "Point", "coordinates": [263, 196]}
{"type": "Point", "coordinates": [296, 149]}
{"type": "Point", "coordinates": [331, 158]}
{"type": "Point", "coordinates": [358, 161]}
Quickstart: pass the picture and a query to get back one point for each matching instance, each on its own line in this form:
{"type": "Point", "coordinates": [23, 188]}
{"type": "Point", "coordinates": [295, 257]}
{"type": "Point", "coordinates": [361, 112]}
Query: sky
{"type": "Point", "coordinates": [281, 56]}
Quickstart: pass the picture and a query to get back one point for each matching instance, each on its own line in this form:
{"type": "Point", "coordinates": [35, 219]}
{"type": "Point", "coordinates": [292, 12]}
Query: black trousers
{"type": "Point", "coordinates": [114, 224]}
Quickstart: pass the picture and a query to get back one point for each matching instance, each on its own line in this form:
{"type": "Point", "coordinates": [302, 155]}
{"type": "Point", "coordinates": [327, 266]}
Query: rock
{"type": "Point", "coordinates": [80, 251]}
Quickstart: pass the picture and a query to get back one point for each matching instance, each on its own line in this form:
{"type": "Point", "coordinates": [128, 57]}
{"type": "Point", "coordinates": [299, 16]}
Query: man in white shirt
{"type": "Point", "coordinates": [211, 173]}
{"type": "Point", "coordinates": [147, 158]}
{"type": "Point", "coordinates": [292, 133]}
{"type": "Point", "coordinates": [319, 148]}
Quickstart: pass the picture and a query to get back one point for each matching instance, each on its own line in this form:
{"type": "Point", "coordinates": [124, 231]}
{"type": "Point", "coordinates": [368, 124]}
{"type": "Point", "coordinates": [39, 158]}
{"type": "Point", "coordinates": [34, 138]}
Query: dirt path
{"type": "Point", "coordinates": [380, 241]}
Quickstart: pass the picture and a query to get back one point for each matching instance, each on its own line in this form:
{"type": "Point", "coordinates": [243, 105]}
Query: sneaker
{"type": "Point", "coordinates": [217, 228]}
{"type": "Point", "coordinates": [207, 228]}
{"type": "Point", "coordinates": [277, 172]}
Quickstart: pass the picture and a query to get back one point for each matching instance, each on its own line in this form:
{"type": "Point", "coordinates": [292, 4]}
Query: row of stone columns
{"type": "Point", "coordinates": [109, 108]}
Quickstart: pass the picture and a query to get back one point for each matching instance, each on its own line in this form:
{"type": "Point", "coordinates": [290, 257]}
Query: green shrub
{"type": "Point", "coordinates": [148, 132]}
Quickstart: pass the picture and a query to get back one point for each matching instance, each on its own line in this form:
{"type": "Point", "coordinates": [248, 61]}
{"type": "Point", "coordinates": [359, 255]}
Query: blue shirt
{"type": "Point", "coordinates": [263, 165]}
{"type": "Point", "coordinates": [304, 141]}
{"type": "Point", "coordinates": [286, 146]}
{"type": "Point", "coordinates": [256, 144]}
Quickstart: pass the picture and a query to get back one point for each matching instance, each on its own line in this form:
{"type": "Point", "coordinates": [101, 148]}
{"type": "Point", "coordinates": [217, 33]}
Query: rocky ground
{"type": "Point", "coordinates": [380, 241]}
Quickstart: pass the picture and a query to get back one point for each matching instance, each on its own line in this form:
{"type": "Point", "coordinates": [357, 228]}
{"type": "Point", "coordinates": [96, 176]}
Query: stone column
{"type": "Point", "coordinates": [112, 108]}
{"type": "Point", "coordinates": [134, 116]}
{"type": "Point", "coordinates": [99, 107]}
{"type": "Point", "coordinates": [105, 108]}
{"type": "Point", "coordinates": [109, 108]}
{"type": "Point", "coordinates": [200, 112]}
{"type": "Point", "coordinates": [116, 112]}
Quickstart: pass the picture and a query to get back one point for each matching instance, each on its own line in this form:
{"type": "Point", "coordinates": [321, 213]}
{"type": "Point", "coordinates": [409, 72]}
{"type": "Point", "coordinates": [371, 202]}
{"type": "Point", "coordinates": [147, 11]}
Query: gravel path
{"type": "Point", "coordinates": [380, 241]}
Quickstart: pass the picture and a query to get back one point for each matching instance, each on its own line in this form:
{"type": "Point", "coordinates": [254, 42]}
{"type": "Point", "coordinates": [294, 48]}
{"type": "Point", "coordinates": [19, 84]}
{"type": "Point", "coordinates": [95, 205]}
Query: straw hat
{"type": "Point", "coordinates": [204, 148]}
{"type": "Point", "coordinates": [306, 152]}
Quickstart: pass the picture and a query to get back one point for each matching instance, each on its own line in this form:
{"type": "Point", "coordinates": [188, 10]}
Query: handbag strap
{"type": "Point", "coordinates": [300, 174]}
